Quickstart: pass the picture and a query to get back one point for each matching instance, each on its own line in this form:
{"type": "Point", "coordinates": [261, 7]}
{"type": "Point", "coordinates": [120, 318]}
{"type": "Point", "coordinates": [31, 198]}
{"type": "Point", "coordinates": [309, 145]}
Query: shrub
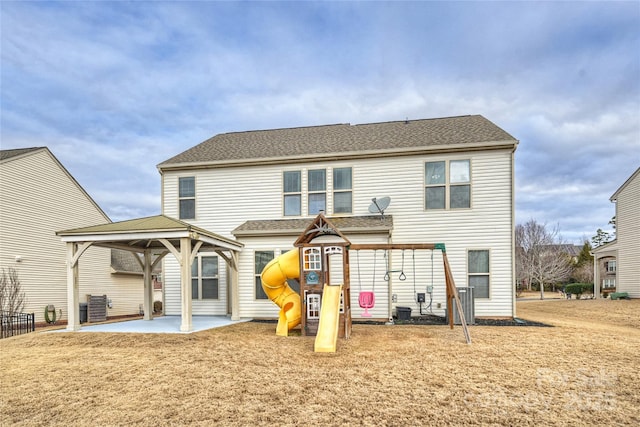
{"type": "Point", "coordinates": [157, 306]}
{"type": "Point", "coordinates": [578, 288]}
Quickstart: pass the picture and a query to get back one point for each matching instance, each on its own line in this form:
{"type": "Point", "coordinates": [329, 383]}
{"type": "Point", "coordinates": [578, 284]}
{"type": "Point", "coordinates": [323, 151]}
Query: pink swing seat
{"type": "Point", "coordinates": [367, 300]}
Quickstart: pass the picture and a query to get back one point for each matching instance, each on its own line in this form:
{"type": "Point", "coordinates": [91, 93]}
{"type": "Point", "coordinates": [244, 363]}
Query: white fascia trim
{"type": "Point", "coordinates": [116, 237]}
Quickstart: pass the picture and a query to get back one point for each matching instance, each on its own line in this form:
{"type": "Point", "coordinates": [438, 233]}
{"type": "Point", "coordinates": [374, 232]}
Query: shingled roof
{"type": "Point", "coordinates": [343, 141]}
{"type": "Point", "coordinates": [15, 152]}
{"type": "Point", "coordinates": [293, 227]}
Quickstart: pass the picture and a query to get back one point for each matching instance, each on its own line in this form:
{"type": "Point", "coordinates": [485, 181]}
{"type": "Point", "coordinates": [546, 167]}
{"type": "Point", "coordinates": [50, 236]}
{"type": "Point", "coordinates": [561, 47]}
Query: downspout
{"type": "Point", "coordinates": [513, 233]}
{"type": "Point", "coordinates": [162, 269]}
{"type": "Point", "coordinates": [389, 286]}
{"type": "Point", "coordinates": [596, 276]}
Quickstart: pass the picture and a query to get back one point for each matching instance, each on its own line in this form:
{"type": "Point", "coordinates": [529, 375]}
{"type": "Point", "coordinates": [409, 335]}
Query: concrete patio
{"type": "Point", "coordinates": [160, 325]}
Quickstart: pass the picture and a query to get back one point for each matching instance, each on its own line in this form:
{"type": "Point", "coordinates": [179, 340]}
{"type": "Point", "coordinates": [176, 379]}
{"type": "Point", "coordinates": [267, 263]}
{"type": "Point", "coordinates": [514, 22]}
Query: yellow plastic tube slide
{"type": "Point", "coordinates": [274, 282]}
{"type": "Point", "coordinates": [327, 335]}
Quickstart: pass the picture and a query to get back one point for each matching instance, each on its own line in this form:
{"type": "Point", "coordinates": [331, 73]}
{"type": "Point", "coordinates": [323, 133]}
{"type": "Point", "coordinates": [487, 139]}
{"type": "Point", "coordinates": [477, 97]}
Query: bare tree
{"type": "Point", "coordinates": [583, 273]}
{"type": "Point", "coordinates": [583, 268]}
{"type": "Point", "coordinates": [541, 256]}
{"type": "Point", "coordinates": [12, 298]}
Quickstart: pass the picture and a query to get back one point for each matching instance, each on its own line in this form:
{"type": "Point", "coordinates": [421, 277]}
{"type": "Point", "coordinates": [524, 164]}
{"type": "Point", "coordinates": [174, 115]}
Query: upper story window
{"type": "Point", "coordinates": [448, 184]}
{"type": "Point", "coordinates": [317, 189]}
{"type": "Point", "coordinates": [204, 277]}
{"type": "Point", "coordinates": [292, 189]}
{"type": "Point", "coordinates": [342, 190]}
{"type": "Point", "coordinates": [611, 266]}
{"type": "Point", "coordinates": [187, 197]}
{"type": "Point", "coordinates": [478, 272]}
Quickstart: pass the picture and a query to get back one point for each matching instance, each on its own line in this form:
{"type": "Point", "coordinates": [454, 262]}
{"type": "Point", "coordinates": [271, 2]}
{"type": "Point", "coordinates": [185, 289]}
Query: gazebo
{"type": "Point", "coordinates": [150, 239]}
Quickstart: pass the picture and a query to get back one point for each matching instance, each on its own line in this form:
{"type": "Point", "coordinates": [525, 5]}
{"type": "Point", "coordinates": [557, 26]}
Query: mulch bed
{"type": "Point", "coordinates": [433, 320]}
{"type": "Point", "coordinates": [430, 319]}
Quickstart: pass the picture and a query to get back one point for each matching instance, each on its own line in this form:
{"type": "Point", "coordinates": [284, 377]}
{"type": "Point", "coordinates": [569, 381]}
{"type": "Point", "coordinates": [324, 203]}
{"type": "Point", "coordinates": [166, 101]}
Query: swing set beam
{"type": "Point", "coordinates": [389, 246]}
{"type": "Point", "coordinates": [452, 291]}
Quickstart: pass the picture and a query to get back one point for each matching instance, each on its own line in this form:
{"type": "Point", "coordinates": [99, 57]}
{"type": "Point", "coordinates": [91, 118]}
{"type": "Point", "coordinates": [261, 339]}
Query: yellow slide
{"type": "Point", "coordinates": [274, 282]}
{"type": "Point", "coordinates": [329, 319]}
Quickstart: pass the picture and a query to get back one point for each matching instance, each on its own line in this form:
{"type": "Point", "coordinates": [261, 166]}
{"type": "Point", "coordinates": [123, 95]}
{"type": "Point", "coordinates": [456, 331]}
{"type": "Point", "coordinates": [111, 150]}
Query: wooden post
{"type": "Point", "coordinates": [452, 293]}
{"type": "Point", "coordinates": [148, 286]}
{"type": "Point", "coordinates": [73, 289]}
{"type": "Point", "coordinates": [185, 284]}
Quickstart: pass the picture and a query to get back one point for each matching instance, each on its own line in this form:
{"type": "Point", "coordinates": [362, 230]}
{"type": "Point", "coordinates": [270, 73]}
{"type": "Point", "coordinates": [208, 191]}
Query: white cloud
{"type": "Point", "coordinates": [115, 88]}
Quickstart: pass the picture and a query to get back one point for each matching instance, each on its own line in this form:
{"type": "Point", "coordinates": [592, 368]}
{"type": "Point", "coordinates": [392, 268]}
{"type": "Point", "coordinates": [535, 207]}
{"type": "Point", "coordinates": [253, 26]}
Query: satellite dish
{"type": "Point", "coordinates": [379, 205]}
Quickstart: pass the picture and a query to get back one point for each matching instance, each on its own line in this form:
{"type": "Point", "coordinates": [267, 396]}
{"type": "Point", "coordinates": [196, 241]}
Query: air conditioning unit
{"type": "Point", "coordinates": [468, 307]}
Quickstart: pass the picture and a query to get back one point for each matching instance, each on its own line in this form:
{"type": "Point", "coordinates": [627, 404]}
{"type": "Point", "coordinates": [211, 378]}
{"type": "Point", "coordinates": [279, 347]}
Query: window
{"type": "Point", "coordinates": [608, 283]}
{"type": "Point", "coordinates": [312, 259]}
{"type": "Point", "coordinates": [342, 186]}
{"type": "Point", "coordinates": [261, 259]}
{"type": "Point", "coordinates": [317, 187]}
{"type": "Point", "coordinates": [478, 270]}
{"type": "Point", "coordinates": [204, 278]}
{"type": "Point", "coordinates": [611, 267]}
{"type": "Point", "coordinates": [187, 197]}
{"type": "Point", "coordinates": [313, 306]}
{"type": "Point", "coordinates": [292, 193]}
{"type": "Point", "coordinates": [448, 189]}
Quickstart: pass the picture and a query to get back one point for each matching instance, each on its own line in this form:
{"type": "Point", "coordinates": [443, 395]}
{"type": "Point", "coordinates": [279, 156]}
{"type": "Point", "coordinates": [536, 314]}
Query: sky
{"type": "Point", "coordinates": [113, 88]}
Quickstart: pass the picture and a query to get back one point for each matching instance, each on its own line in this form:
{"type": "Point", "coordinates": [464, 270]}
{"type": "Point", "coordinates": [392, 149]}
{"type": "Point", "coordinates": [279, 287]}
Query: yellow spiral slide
{"type": "Point", "coordinates": [274, 282]}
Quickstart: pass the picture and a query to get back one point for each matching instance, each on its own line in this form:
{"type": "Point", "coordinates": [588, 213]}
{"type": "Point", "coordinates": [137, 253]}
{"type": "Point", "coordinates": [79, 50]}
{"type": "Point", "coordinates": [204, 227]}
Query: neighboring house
{"type": "Point", "coordinates": [450, 181]}
{"type": "Point", "coordinates": [622, 256]}
{"type": "Point", "coordinates": [38, 197]}
{"type": "Point", "coordinates": [605, 266]}
{"type": "Point", "coordinates": [128, 272]}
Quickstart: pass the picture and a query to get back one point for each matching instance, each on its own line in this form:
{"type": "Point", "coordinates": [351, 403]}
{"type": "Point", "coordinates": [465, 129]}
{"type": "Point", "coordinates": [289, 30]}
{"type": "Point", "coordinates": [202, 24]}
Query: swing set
{"type": "Point", "coordinates": [314, 274]}
{"type": "Point", "coordinates": [366, 299]}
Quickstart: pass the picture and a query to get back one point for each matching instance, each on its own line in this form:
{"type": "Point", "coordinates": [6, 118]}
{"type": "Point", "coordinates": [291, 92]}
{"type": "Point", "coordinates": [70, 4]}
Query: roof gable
{"type": "Point", "coordinates": [20, 153]}
{"type": "Point", "coordinates": [320, 226]}
{"type": "Point", "coordinates": [623, 186]}
{"type": "Point", "coordinates": [343, 140]}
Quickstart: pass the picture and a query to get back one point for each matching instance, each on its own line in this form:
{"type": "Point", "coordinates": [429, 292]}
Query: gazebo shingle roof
{"type": "Point", "coordinates": [343, 140]}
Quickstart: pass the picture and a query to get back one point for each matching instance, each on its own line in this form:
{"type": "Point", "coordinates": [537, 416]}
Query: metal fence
{"type": "Point", "coordinates": [16, 324]}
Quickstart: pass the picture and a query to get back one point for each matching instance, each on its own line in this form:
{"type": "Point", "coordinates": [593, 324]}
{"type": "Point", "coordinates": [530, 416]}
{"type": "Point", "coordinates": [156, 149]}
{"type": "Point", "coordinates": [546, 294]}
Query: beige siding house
{"type": "Point", "coordinates": [624, 252]}
{"type": "Point", "coordinates": [38, 197]}
{"type": "Point", "coordinates": [450, 180]}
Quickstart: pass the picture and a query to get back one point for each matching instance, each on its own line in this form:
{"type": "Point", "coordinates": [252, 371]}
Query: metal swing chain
{"type": "Point", "coordinates": [415, 294]}
{"type": "Point", "coordinates": [386, 264]}
{"type": "Point", "coordinates": [359, 280]}
{"type": "Point", "coordinates": [375, 257]}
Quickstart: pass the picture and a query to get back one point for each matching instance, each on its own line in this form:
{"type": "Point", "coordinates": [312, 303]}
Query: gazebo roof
{"type": "Point", "coordinates": [144, 233]}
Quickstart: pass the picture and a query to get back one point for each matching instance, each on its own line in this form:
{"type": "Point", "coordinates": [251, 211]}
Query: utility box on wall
{"type": "Point", "coordinates": [468, 307]}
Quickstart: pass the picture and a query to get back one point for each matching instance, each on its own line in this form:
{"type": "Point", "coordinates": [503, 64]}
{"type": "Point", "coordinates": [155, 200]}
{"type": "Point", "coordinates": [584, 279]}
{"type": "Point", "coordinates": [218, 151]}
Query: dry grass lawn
{"type": "Point", "coordinates": [584, 371]}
